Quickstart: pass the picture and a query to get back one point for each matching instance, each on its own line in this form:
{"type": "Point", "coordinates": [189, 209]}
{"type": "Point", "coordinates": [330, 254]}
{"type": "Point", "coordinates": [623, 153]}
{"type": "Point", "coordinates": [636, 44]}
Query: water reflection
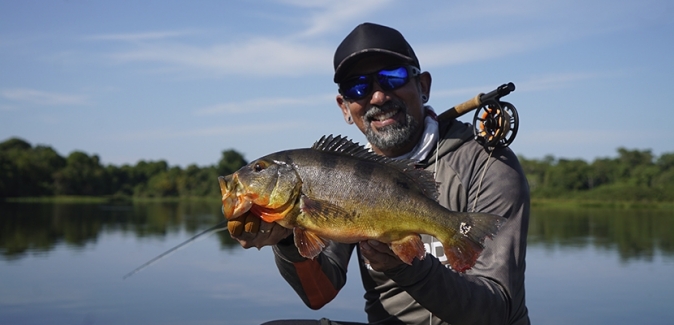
{"type": "Point", "coordinates": [635, 234]}
{"type": "Point", "coordinates": [63, 264]}
{"type": "Point", "coordinates": [35, 228]}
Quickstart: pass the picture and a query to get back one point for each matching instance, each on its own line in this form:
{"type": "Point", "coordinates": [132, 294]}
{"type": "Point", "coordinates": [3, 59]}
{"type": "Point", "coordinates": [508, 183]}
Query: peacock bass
{"type": "Point", "coordinates": [338, 190]}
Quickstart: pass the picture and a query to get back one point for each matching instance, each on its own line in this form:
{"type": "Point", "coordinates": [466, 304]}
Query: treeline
{"type": "Point", "coordinates": [32, 171]}
{"type": "Point", "coordinates": [26, 170]}
{"type": "Point", "coordinates": [635, 175]}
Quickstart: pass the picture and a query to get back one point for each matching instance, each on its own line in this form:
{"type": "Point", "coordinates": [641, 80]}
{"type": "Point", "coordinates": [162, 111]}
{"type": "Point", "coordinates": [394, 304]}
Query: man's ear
{"type": "Point", "coordinates": [344, 106]}
{"type": "Point", "coordinates": [425, 84]}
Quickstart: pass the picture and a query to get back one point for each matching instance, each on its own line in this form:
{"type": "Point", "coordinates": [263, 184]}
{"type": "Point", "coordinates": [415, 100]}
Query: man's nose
{"type": "Point", "coordinates": [378, 95]}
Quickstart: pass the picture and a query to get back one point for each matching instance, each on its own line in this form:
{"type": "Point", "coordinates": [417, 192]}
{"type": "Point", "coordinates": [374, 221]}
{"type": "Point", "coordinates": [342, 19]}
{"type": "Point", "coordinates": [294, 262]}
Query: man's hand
{"type": "Point", "coordinates": [250, 231]}
{"type": "Point", "coordinates": [379, 255]}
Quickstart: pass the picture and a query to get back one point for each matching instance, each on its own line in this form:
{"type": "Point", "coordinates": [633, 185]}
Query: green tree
{"type": "Point", "coordinates": [15, 144]}
{"type": "Point", "coordinates": [120, 180]}
{"type": "Point", "coordinates": [629, 162]}
{"type": "Point", "coordinates": [535, 170]}
{"type": "Point", "coordinates": [164, 184]}
{"type": "Point", "coordinates": [26, 170]}
{"type": "Point", "coordinates": [143, 172]}
{"type": "Point", "coordinates": [664, 181]}
{"type": "Point", "coordinates": [603, 171]}
{"type": "Point", "coordinates": [568, 175]}
{"type": "Point", "coordinates": [230, 162]}
{"type": "Point", "coordinates": [199, 182]}
{"type": "Point", "coordinates": [665, 162]}
{"type": "Point", "coordinates": [82, 175]}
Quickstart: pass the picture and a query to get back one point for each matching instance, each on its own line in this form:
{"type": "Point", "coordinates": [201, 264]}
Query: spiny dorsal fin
{"type": "Point", "coordinates": [343, 145]}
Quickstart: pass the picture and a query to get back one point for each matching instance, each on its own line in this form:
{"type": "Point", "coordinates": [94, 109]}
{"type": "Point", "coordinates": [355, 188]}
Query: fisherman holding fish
{"type": "Point", "coordinates": [472, 272]}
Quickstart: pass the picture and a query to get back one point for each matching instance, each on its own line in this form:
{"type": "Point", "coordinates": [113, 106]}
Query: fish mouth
{"type": "Point", "coordinates": [234, 204]}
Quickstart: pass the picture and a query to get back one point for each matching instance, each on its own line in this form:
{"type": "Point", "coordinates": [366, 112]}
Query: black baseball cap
{"type": "Point", "coordinates": [367, 39]}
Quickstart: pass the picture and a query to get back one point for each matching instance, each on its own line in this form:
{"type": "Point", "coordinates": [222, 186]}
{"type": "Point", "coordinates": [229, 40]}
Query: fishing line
{"type": "Point", "coordinates": [208, 231]}
{"type": "Point", "coordinates": [479, 184]}
{"type": "Point", "coordinates": [435, 168]}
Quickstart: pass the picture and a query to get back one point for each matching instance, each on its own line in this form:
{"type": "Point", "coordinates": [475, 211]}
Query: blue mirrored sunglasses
{"type": "Point", "coordinates": [389, 79]}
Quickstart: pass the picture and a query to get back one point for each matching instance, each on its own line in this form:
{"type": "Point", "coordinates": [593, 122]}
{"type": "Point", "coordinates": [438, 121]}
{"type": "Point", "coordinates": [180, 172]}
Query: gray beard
{"type": "Point", "coordinates": [391, 136]}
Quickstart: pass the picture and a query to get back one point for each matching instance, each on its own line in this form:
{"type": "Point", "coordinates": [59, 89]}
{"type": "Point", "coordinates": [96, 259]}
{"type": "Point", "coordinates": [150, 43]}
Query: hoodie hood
{"type": "Point", "coordinates": [452, 135]}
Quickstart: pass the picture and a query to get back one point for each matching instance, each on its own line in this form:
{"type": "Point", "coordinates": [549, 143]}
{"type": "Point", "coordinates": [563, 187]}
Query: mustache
{"type": "Point", "coordinates": [386, 107]}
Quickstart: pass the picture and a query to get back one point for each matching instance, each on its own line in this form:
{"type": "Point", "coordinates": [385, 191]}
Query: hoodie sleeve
{"type": "Point", "coordinates": [317, 281]}
{"type": "Point", "coordinates": [492, 292]}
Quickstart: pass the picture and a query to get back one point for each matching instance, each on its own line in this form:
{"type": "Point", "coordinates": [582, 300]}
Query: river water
{"type": "Point", "coordinates": [64, 263]}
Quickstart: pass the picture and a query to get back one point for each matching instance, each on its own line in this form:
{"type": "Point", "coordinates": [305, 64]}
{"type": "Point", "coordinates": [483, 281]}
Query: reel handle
{"type": "Point", "coordinates": [477, 101]}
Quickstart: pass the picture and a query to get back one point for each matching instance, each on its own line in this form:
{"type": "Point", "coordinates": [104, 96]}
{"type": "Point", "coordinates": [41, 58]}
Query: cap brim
{"type": "Point", "coordinates": [343, 68]}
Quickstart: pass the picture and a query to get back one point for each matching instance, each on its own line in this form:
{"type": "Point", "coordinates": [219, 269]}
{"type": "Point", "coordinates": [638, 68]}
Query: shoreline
{"type": "Point", "coordinates": [537, 203]}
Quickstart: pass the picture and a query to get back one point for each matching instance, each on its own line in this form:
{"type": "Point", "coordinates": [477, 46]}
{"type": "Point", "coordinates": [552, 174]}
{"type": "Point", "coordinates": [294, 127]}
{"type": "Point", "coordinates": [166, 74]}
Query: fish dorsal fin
{"type": "Point", "coordinates": [343, 145]}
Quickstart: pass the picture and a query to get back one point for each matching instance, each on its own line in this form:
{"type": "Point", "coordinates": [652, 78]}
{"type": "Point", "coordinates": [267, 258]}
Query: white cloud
{"type": "Point", "coordinates": [574, 15]}
{"type": "Point", "coordinates": [333, 14]}
{"type": "Point", "coordinates": [487, 30]}
{"type": "Point", "coordinates": [224, 130]}
{"type": "Point", "coordinates": [557, 81]}
{"type": "Point", "coordinates": [259, 56]}
{"type": "Point", "coordinates": [536, 83]}
{"type": "Point", "coordinates": [38, 97]}
{"type": "Point", "coordinates": [293, 54]}
{"type": "Point", "coordinates": [581, 143]}
{"type": "Point", "coordinates": [262, 104]}
{"type": "Point", "coordinates": [4, 107]}
{"type": "Point", "coordinates": [142, 36]}
{"type": "Point", "coordinates": [443, 54]}
{"type": "Point", "coordinates": [467, 92]}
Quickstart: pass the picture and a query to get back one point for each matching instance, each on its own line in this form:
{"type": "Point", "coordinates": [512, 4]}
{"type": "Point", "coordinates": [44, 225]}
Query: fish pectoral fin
{"type": "Point", "coordinates": [409, 247]}
{"type": "Point", "coordinates": [308, 243]}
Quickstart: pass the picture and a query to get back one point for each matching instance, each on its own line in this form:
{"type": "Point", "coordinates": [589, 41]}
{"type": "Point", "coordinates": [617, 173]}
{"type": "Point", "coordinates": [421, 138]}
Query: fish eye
{"type": "Point", "coordinates": [259, 166]}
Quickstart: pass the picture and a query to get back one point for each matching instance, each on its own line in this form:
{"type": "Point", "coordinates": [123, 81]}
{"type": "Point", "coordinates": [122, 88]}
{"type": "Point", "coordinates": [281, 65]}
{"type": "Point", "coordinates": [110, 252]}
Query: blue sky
{"type": "Point", "coordinates": [183, 81]}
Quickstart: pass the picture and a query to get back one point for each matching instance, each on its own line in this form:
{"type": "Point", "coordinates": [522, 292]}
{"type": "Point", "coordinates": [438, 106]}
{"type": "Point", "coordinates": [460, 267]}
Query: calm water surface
{"type": "Point", "coordinates": [63, 264]}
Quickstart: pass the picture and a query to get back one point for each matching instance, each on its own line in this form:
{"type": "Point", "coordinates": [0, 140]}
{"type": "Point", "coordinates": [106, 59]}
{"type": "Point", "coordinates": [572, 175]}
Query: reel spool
{"type": "Point", "coordinates": [495, 124]}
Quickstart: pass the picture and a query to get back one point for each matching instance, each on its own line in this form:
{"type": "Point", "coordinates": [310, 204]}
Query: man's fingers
{"type": "Point", "coordinates": [248, 222]}
{"type": "Point", "coordinates": [252, 223]}
{"type": "Point", "coordinates": [379, 255]}
{"type": "Point", "coordinates": [235, 226]}
{"type": "Point", "coordinates": [380, 247]}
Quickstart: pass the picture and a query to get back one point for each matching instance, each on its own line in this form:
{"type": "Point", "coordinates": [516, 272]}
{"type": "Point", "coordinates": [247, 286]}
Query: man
{"type": "Point", "coordinates": [383, 92]}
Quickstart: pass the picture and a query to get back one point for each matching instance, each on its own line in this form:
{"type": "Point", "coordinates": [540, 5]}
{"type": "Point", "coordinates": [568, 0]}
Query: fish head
{"type": "Point", "coordinates": [267, 187]}
{"type": "Point", "coordinates": [233, 204]}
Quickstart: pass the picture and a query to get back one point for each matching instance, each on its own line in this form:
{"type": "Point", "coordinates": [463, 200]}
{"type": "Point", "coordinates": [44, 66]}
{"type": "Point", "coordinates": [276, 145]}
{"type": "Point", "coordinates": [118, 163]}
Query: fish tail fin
{"type": "Point", "coordinates": [467, 242]}
{"type": "Point", "coordinates": [408, 248]}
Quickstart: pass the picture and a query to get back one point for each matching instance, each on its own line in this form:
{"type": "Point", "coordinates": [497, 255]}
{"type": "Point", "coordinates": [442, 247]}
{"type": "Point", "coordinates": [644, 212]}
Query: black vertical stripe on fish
{"type": "Point", "coordinates": [402, 183]}
{"type": "Point", "coordinates": [363, 170]}
{"type": "Point", "coordinates": [328, 161]}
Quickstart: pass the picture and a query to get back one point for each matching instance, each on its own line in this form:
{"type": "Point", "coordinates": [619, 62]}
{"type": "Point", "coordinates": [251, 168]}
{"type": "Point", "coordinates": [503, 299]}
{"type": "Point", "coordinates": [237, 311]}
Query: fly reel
{"type": "Point", "coordinates": [495, 123]}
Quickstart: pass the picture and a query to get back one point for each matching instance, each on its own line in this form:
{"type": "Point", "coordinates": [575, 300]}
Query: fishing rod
{"type": "Point", "coordinates": [222, 225]}
{"type": "Point", "coordinates": [495, 122]}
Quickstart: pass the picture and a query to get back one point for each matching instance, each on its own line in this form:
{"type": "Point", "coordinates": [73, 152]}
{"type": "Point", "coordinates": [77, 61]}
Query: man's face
{"type": "Point", "coordinates": [391, 120]}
